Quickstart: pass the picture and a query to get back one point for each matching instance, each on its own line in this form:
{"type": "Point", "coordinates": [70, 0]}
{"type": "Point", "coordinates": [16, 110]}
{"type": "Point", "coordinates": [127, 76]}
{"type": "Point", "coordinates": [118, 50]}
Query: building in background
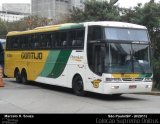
{"type": "Point", "coordinates": [77, 3]}
{"type": "Point", "coordinates": [54, 9]}
{"type": "Point", "coordinates": [14, 11]}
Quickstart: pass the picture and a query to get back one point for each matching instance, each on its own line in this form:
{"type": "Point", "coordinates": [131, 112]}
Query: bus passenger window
{"type": "Point", "coordinates": [8, 44]}
{"type": "Point", "coordinates": [30, 43]}
{"type": "Point", "coordinates": [36, 42]}
{"type": "Point", "coordinates": [72, 38]}
{"type": "Point", "coordinates": [63, 39]}
{"type": "Point", "coordinates": [49, 39]}
{"type": "Point", "coordinates": [57, 39]}
{"type": "Point", "coordinates": [52, 40]}
{"type": "Point", "coordinates": [15, 43]}
{"type": "Point", "coordinates": [65, 43]}
{"type": "Point", "coordinates": [80, 38]}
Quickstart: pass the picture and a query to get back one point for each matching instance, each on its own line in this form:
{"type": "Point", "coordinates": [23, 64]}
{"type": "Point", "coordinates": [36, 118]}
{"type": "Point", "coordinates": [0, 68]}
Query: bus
{"type": "Point", "coordinates": [104, 57]}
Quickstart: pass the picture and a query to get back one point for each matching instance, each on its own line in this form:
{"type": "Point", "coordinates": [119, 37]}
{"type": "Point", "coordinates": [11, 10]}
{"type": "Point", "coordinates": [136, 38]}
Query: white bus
{"type": "Point", "coordinates": [102, 57]}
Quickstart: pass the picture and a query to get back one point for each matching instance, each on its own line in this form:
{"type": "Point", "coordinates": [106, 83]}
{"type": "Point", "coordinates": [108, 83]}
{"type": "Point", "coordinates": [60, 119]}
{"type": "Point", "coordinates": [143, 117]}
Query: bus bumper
{"type": "Point", "coordinates": [122, 88]}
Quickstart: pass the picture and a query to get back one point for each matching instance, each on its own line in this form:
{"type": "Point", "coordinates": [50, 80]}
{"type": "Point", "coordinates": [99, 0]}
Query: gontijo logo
{"type": "Point", "coordinates": [31, 55]}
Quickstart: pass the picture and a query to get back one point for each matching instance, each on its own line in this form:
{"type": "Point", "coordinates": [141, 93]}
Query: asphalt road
{"type": "Point", "coordinates": [40, 98]}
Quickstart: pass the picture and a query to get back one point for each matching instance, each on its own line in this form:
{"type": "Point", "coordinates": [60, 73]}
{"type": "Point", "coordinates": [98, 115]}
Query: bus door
{"type": "Point", "coordinates": [98, 53]}
{"type": "Point", "coordinates": [96, 59]}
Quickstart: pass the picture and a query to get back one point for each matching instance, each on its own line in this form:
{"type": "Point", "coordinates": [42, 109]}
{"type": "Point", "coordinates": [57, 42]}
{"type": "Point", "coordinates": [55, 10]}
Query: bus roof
{"type": "Point", "coordinates": [77, 25]}
{"type": "Point", "coordinates": [115, 24]}
{"type": "Point", "coordinates": [47, 28]}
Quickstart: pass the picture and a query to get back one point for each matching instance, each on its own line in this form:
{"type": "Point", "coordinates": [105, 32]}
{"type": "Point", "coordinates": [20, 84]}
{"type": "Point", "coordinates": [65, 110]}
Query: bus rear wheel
{"type": "Point", "coordinates": [17, 75]}
{"type": "Point", "coordinates": [77, 86]}
{"type": "Point", "coordinates": [24, 77]}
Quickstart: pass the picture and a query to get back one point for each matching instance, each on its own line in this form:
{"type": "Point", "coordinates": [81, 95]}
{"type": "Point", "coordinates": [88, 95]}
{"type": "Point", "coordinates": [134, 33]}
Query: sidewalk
{"type": "Point", "coordinates": [157, 93]}
{"type": "Point", "coordinates": [154, 92]}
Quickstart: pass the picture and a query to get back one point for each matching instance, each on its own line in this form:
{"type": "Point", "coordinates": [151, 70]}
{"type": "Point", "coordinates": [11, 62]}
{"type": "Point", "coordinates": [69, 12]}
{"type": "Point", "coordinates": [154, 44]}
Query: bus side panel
{"type": "Point", "coordinates": [54, 71]}
{"type": "Point", "coordinates": [75, 66]}
{"type": "Point", "coordinates": [12, 60]}
{"type": "Point", "coordinates": [32, 61]}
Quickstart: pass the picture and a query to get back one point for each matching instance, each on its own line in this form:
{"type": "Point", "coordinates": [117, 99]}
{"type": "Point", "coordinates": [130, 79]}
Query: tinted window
{"type": "Point", "coordinates": [126, 34]}
{"type": "Point", "coordinates": [70, 39]}
{"type": "Point", "coordinates": [94, 33]}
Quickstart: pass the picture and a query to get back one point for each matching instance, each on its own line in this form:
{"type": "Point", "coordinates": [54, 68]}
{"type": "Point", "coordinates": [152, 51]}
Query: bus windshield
{"type": "Point", "coordinates": [126, 34]}
{"type": "Point", "coordinates": [127, 58]}
{"type": "Point", "coordinates": [125, 50]}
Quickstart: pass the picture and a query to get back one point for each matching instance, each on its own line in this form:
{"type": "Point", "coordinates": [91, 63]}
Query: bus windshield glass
{"type": "Point", "coordinates": [118, 50]}
{"type": "Point", "coordinates": [125, 34]}
{"type": "Point", "coordinates": [127, 58]}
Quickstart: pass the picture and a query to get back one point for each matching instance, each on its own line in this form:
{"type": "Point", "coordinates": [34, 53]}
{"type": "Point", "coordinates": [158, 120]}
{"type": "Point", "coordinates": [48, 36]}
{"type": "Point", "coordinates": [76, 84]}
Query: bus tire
{"type": "Point", "coordinates": [17, 75]}
{"type": "Point", "coordinates": [77, 85]}
{"type": "Point", "coordinates": [24, 77]}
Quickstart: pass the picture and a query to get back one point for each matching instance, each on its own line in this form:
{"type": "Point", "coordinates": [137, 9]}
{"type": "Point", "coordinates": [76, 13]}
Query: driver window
{"type": "Point", "coordinates": [94, 33]}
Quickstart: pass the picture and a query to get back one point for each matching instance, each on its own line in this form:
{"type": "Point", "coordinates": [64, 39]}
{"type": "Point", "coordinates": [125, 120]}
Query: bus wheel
{"type": "Point", "coordinates": [17, 75]}
{"type": "Point", "coordinates": [24, 77]}
{"type": "Point", "coordinates": [77, 86]}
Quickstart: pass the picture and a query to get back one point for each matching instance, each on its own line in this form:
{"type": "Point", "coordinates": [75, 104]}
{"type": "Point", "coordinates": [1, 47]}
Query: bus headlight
{"type": "Point", "coordinates": [113, 79]}
{"type": "Point", "coordinates": [115, 87]}
{"type": "Point", "coordinates": [148, 86]}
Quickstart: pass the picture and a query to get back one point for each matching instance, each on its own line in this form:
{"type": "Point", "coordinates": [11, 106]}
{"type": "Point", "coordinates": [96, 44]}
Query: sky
{"type": "Point", "coordinates": [122, 3]}
{"type": "Point", "coordinates": [132, 3]}
{"type": "Point", "coordinates": [14, 1]}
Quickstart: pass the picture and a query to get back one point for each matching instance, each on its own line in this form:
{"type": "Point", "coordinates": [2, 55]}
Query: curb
{"type": "Point", "coordinates": [156, 93]}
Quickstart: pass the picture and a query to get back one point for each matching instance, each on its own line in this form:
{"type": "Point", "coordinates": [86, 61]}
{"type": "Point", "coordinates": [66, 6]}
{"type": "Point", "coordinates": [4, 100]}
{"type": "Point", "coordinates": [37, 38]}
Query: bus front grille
{"type": "Point", "coordinates": [132, 79]}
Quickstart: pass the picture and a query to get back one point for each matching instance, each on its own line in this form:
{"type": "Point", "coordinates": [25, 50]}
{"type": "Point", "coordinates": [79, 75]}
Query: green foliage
{"type": "Point", "coordinates": [3, 29]}
{"type": "Point", "coordinates": [95, 10]}
{"type": "Point", "coordinates": [28, 23]}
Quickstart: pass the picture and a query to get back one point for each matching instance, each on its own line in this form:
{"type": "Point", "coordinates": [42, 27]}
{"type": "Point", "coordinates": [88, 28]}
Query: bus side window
{"type": "Point", "coordinates": [57, 39]}
{"type": "Point", "coordinates": [42, 41]}
{"type": "Point", "coordinates": [30, 43]}
{"type": "Point", "coordinates": [52, 40]}
{"type": "Point", "coordinates": [63, 39]}
{"type": "Point", "coordinates": [24, 44]}
{"type": "Point", "coordinates": [94, 33]}
{"type": "Point", "coordinates": [15, 41]}
{"type": "Point", "coordinates": [8, 43]}
{"type": "Point", "coordinates": [35, 42]}
{"type": "Point", "coordinates": [80, 38]}
{"type": "Point", "coordinates": [49, 44]}
{"type": "Point", "coordinates": [71, 38]}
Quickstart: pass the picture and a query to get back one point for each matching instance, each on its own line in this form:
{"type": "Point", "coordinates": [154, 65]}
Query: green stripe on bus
{"type": "Point", "coordinates": [56, 63]}
{"type": "Point", "coordinates": [147, 75]}
{"type": "Point", "coordinates": [50, 63]}
{"type": "Point", "coordinates": [70, 26]}
{"type": "Point", "coordinates": [60, 64]}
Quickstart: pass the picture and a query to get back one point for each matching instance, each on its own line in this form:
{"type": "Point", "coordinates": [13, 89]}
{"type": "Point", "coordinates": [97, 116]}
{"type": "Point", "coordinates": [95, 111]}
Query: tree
{"type": "Point", "coordinates": [95, 11]}
{"type": "Point", "coordinates": [28, 23]}
{"type": "Point", "coordinates": [3, 29]}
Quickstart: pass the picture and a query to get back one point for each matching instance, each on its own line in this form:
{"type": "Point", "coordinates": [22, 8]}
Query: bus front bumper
{"type": "Point", "coordinates": [122, 88]}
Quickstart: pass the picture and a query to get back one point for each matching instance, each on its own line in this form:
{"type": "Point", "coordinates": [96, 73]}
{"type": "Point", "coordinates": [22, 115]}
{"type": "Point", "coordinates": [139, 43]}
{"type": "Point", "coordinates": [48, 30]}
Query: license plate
{"type": "Point", "coordinates": [132, 86]}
